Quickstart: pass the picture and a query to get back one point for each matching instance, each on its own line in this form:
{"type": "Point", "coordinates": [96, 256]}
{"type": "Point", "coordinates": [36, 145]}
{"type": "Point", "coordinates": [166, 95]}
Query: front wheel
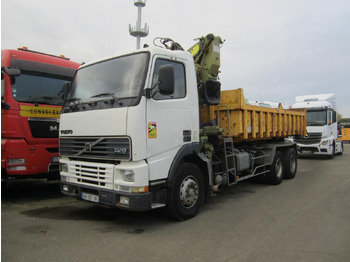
{"type": "Point", "coordinates": [275, 176]}
{"type": "Point", "coordinates": [342, 148]}
{"type": "Point", "coordinates": [331, 156]}
{"type": "Point", "coordinates": [186, 193]}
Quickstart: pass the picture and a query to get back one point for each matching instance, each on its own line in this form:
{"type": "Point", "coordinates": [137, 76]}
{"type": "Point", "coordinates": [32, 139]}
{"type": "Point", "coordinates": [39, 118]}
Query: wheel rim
{"type": "Point", "coordinates": [189, 192]}
{"type": "Point", "coordinates": [278, 168]}
{"type": "Point", "coordinates": [293, 164]}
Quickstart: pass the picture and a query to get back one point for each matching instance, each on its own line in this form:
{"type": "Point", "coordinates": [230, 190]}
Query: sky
{"type": "Point", "coordinates": [274, 49]}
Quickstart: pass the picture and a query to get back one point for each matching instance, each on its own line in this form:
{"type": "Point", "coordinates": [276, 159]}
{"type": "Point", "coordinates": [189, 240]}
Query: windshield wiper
{"type": "Point", "coordinates": [315, 124]}
{"type": "Point", "coordinates": [73, 102]}
{"type": "Point", "coordinates": [111, 95]}
{"type": "Point", "coordinates": [73, 99]}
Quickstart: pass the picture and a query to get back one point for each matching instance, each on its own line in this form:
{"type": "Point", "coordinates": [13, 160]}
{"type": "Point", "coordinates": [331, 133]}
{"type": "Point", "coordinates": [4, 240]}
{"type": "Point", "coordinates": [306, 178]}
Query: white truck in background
{"type": "Point", "coordinates": [322, 125]}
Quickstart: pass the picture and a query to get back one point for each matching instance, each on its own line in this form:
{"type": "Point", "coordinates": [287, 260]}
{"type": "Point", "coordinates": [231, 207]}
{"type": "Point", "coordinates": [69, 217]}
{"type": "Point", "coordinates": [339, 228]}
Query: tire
{"type": "Point", "coordinates": [331, 156]}
{"type": "Point", "coordinates": [342, 149]}
{"type": "Point", "coordinates": [291, 163]}
{"type": "Point", "coordinates": [186, 194]}
{"type": "Point", "coordinates": [275, 176]}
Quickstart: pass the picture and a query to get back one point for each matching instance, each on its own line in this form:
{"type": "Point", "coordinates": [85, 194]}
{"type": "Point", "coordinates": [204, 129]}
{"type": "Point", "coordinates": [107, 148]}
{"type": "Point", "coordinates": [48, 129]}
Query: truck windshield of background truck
{"type": "Point", "coordinates": [40, 88]}
{"type": "Point", "coordinates": [316, 117]}
{"type": "Point", "coordinates": [116, 82]}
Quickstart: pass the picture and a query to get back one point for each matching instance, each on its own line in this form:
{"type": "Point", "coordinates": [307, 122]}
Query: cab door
{"type": "Point", "coordinates": [171, 119]}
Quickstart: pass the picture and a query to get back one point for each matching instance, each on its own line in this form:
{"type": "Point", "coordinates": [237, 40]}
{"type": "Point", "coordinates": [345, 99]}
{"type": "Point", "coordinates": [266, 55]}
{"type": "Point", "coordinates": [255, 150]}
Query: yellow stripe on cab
{"type": "Point", "coordinates": [40, 111]}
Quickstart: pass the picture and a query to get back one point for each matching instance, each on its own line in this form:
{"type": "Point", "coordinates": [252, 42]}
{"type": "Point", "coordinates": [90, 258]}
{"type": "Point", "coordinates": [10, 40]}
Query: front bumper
{"type": "Point", "coordinates": [39, 159]}
{"type": "Point", "coordinates": [111, 198]}
{"type": "Point", "coordinates": [315, 149]}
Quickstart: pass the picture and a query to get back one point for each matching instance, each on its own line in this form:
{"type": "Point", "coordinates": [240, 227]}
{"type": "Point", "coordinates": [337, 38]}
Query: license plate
{"type": "Point", "coordinates": [90, 197]}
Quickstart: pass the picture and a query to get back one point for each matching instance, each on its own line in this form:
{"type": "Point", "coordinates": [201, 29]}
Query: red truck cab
{"type": "Point", "coordinates": [32, 94]}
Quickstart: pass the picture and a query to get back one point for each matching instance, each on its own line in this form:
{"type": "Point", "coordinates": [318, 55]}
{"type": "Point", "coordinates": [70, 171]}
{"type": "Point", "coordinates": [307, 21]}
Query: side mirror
{"type": "Point", "coordinates": [13, 72]}
{"type": "Point", "coordinates": [209, 92]}
{"type": "Point", "coordinates": [166, 80]}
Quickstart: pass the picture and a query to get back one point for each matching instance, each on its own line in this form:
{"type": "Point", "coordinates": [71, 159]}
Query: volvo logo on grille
{"type": "Point", "coordinates": [88, 147]}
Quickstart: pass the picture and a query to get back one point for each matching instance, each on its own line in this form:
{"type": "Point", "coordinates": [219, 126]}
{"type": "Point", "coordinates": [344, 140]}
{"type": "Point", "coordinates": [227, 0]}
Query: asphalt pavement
{"type": "Point", "coordinates": [303, 219]}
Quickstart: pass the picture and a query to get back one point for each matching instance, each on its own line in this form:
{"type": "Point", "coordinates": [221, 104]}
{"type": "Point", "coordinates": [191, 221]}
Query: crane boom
{"type": "Point", "coordinates": [206, 55]}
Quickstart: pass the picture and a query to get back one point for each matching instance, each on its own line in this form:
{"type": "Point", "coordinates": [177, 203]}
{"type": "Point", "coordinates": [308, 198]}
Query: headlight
{"type": "Point", "coordinates": [128, 175]}
{"type": "Point", "coordinates": [17, 168]}
{"type": "Point", "coordinates": [325, 143]}
{"type": "Point", "coordinates": [122, 188]}
{"type": "Point", "coordinates": [131, 189]}
{"type": "Point", "coordinates": [16, 161]}
{"type": "Point", "coordinates": [64, 167]}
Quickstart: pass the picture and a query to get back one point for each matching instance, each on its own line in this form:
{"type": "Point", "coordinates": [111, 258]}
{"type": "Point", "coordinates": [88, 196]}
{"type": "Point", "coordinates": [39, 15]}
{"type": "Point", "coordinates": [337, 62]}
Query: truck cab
{"type": "Point", "coordinates": [32, 92]}
{"type": "Point", "coordinates": [322, 125]}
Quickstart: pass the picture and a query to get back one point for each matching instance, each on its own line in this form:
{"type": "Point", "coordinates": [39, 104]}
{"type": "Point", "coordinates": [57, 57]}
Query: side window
{"type": "Point", "coordinates": [179, 77]}
{"type": "Point", "coordinates": [329, 117]}
{"type": "Point", "coordinates": [334, 117]}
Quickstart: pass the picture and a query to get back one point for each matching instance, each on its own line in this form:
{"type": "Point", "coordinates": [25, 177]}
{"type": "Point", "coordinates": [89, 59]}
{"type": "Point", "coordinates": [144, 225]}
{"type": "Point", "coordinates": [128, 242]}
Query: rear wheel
{"type": "Point", "coordinates": [291, 163]}
{"type": "Point", "coordinates": [276, 174]}
{"type": "Point", "coordinates": [186, 194]}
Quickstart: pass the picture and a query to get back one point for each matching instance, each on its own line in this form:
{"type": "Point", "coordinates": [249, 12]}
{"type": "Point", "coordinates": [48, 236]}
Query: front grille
{"type": "Point", "coordinates": [308, 149]}
{"type": "Point", "coordinates": [310, 138]}
{"type": "Point", "coordinates": [100, 175]}
{"type": "Point", "coordinates": [109, 148]}
{"type": "Point", "coordinates": [43, 128]}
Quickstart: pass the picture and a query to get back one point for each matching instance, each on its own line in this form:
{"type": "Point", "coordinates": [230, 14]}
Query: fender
{"type": "Point", "coordinates": [186, 150]}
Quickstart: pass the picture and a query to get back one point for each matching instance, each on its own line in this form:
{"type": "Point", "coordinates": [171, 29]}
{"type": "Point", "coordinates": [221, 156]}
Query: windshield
{"type": "Point", "coordinates": [316, 118]}
{"type": "Point", "coordinates": [40, 88]}
{"type": "Point", "coordinates": [119, 80]}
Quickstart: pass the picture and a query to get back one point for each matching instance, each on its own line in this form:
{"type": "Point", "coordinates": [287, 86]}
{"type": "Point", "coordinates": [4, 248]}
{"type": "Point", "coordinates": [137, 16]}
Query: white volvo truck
{"type": "Point", "coordinates": [322, 125]}
{"type": "Point", "coordinates": [148, 129]}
